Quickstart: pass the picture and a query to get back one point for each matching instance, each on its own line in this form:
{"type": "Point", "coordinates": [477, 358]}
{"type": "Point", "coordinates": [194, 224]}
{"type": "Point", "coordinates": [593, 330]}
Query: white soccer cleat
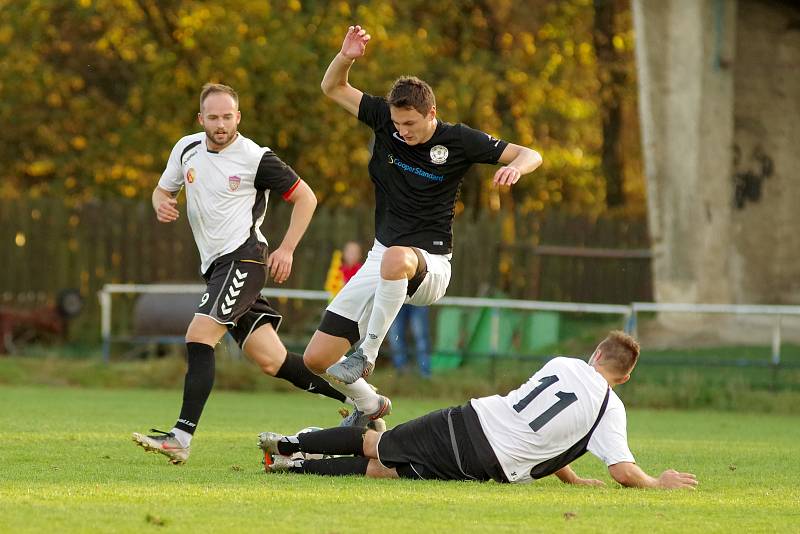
{"type": "Point", "coordinates": [165, 443]}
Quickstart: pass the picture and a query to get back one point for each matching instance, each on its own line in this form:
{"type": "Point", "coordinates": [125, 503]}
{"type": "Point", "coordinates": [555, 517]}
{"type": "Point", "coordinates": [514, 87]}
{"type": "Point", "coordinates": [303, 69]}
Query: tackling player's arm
{"type": "Point", "coordinates": [631, 475]}
{"type": "Point", "coordinates": [165, 205]}
{"type": "Point", "coordinates": [305, 202]}
{"type": "Point", "coordinates": [334, 83]}
{"type": "Point", "coordinates": [568, 476]}
{"type": "Point", "coordinates": [518, 160]}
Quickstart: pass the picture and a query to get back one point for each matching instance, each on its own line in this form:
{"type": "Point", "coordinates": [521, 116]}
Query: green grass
{"type": "Point", "coordinates": [68, 465]}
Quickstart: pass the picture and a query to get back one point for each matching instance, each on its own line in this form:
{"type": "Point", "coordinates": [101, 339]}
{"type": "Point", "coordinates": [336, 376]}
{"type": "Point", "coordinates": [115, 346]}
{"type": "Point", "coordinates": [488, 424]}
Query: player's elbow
{"type": "Point", "coordinates": [312, 200]}
{"type": "Point", "coordinates": [306, 197]}
{"type": "Point", "coordinates": [536, 157]}
{"type": "Point", "coordinates": [533, 158]}
{"type": "Point", "coordinates": [622, 474]}
{"type": "Point", "coordinates": [335, 91]}
{"type": "Point", "coordinates": [328, 88]}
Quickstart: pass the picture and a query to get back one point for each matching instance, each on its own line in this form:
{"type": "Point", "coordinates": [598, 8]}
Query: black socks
{"type": "Point", "coordinates": [295, 371]}
{"type": "Point", "coordinates": [352, 465]}
{"type": "Point", "coordinates": [338, 440]}
{"type": "Point", "coordinates": [197, 385]}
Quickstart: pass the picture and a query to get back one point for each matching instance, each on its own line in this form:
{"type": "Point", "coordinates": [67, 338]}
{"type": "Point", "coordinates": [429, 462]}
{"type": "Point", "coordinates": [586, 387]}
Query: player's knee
{"type": "Point", "coordinates": [370, 448]}
{"type": "Point", "coordinates": [203, 333]}
{"type": "Point", "coordinates": [397, 263]}
{"type": "Point", "coordinates": [376, 470]}
{"type": "Point", "coordinates": [269, 366]}
{"type": "Point", "coordinates": [314, 361]}
{"type": "Point", "coordinates": [200, 336]}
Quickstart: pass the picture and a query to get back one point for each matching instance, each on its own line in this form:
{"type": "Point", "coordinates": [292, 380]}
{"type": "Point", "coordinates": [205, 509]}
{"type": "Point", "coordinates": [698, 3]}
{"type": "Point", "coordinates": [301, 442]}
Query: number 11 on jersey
{"type": "Point", "coordinates": [564, 400]}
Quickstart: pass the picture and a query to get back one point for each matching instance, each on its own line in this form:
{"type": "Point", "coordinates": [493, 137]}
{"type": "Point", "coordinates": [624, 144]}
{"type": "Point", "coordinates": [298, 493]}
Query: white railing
{"type": "Point", "coordinates": [306, 294]}
{"type": "Point", "coordinates": [727, 309]}
{"type": "Point", "coordinates": [628, 312]}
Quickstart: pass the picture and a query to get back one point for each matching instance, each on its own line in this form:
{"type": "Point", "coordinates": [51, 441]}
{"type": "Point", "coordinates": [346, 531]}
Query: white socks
{"type": "Point", "coordinates": [389, 298]}
{"type": "Point", "coordinates": [183, 437]}
{"type": "Point", "coordinates": [363, 396]}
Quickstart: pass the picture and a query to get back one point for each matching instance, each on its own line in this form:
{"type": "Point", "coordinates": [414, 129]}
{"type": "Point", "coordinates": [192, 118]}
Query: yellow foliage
{"type": "Point", "coordinates": [79, 142]}
{"type": "Point", "coordinates": [41, 167]}
{"type": "Point", "coordinates": [524, 71]}
{"type": "Point", "coordinates": [6, 33]}
{"type": "Point", "coordinates": [54, 100]}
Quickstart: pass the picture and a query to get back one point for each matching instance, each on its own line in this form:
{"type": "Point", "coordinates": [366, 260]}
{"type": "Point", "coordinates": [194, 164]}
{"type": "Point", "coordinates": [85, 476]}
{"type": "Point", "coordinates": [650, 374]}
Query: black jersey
{"type": "Point", "coordinates": [416, 186]}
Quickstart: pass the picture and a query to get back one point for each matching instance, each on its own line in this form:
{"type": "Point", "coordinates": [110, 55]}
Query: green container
{"type": "Point", "coordinates": [447, 347]}
{"type": "Point", "coordinates": [540, 330]}
{"type": "Point", "coordinates": [480, 341]}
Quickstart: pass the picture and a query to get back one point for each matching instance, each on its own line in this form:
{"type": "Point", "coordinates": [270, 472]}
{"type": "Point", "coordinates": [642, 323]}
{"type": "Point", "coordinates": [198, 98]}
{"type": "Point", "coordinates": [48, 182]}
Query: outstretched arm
{"type": "Point", "coordinates": [280, 261]}
{"type": "Point", "coordinates": [632, 476]}
{"type": "Point", "coordinates": [334, 83]}
{"type": "Point", "coordinates": [568, 476]}
{"type": "Point", "coordinates": [518, 160]}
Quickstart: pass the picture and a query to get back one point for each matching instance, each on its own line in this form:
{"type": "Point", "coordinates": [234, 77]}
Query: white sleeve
{"type": "Point", "coordinates": [172, 177]}
{"type": "Point", "coordinates": [609, 442]}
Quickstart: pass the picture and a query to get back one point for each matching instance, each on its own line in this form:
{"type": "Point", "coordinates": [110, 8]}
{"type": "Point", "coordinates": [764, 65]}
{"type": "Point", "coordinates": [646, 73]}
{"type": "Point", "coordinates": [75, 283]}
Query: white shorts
{"type": "Point", "coordinates": [354, 301]}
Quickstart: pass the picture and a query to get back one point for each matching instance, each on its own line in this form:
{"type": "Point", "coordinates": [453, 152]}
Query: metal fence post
{"type": "Point", "coordinates": [105, 323]}
{"type": "Point", "coordinates": [494, 342]}
{"type": "Point", "coordinates": [776, 342]}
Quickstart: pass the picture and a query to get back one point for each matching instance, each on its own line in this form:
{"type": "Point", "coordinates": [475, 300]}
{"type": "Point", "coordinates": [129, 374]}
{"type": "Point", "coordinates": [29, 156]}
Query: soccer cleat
{"type": "Point", "coordinates": [268, 442]}
{"type": "Point", "coordinates": [351, 368]}
{"type": "Point", "coordinates": [165, 443]}
{"type": "Point", "coordinates": [373, 421]}
{"type": "Point", "coordinates": [281, 464]}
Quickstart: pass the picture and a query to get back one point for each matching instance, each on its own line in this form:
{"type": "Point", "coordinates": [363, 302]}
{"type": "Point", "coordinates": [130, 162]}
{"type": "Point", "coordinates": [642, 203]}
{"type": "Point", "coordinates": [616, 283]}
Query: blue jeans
{"type": "Point", "coordinates": [417, 318]}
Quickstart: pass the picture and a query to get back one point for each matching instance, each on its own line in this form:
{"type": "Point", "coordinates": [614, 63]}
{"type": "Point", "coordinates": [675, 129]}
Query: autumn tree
{"type": "Point", "coordinates": [98, 91]}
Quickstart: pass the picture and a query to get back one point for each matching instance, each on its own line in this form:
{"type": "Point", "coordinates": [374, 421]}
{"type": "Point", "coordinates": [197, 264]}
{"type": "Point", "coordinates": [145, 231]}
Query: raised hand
{"type": "Point", "coordinates": [355, 42]}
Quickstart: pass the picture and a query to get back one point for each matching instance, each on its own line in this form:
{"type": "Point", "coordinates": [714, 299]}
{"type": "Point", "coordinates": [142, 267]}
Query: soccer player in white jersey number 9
{"type": "Point", "coordinates": [227, 179]}
{"type": "Point", "coordinates": [417, 166]}
{"type": "Point", "coordinates": [565, 409]}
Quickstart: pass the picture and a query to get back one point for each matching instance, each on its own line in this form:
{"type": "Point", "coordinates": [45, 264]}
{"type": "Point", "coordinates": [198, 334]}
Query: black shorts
{"type": "Point", "coordinates": [233, 292]}
{"type": "Point", "coordinates": [444, 445]}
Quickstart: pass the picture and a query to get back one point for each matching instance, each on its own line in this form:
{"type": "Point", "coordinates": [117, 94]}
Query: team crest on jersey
{"type": "Point", "coordinates": [190, 174]}
{"type": "Point", "coordinates": [233, 182]}
{"type": "Point", "coordinates": [439, 154]}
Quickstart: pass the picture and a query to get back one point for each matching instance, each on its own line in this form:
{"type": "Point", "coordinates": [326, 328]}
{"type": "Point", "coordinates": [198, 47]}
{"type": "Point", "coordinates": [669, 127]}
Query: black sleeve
{"type": "Point", "coordinates": [481, 147]}
{"type": "Point", "coordinates": [275, 175]}
{"type": "Point", "coordinates": [373, 111]}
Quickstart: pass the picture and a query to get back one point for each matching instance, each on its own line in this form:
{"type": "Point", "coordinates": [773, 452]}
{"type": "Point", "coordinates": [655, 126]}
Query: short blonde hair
{"type": "Point", "coordinates": [211, 88]}
{"type": "Point", "coordinates": [620, 351]}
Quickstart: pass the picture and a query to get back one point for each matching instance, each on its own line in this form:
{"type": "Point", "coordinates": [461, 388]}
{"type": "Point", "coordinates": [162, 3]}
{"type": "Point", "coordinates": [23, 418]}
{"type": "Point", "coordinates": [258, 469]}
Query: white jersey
{"type": "Point", "coordinates": [550, 413]}
{"type": "Point", "coordinates": [226, 191]}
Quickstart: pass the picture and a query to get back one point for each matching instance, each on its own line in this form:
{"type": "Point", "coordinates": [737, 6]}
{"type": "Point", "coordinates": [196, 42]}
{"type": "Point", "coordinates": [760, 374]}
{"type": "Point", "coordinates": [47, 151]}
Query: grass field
{"type": "Point", "coordinates": [68, 465]}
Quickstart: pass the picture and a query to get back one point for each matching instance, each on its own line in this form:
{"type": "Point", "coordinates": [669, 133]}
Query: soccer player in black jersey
{"type": "Point", "coordinates": [417, 166]}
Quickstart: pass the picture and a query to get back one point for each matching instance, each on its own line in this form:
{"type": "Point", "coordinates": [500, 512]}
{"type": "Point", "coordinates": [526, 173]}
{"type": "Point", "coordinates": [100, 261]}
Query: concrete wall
{"type": "Point", "coordinates": [765, 226]}
{"type": "Point", "coordinates": [720, 78]}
